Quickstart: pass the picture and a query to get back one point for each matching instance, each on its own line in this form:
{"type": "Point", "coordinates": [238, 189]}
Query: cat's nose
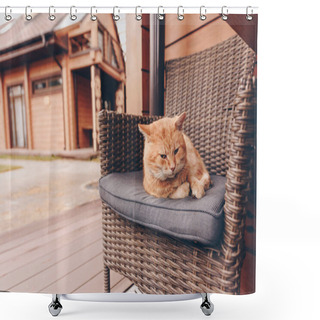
{"type": "Point", "coordinates": [172, 168]}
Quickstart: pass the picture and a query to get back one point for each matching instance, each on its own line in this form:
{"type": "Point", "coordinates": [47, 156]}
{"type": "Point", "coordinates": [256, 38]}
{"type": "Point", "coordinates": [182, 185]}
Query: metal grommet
{"type": "Point", "coordinates": [248, 16]}
{"type": "Point", "coordinates": [160, 14]}
{"type": "Point", "coordinates": [73, 16]}
{"type": "Point", "coordinates": [93, 16]}
{"type": "Point", "coordinates": [180, 13]}
{"type": "Point", "coordinates": [27, 13]}
{"type": "Point", "coordinates": [116, 16]}
{"type": "Point", "coordinates": [224, 13]}
{"type": "Point", "coordinates": [7, 16]}
{"type": "Point", "coordinates": [203, 12]}
{"type": "Point", "coordinates": [138, 15]}
{"type": "Point", "coordinates": [52, 16]}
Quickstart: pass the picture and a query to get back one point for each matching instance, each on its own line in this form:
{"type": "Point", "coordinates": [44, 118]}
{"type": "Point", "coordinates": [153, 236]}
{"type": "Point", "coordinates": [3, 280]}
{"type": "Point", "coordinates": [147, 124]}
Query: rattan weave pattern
{"type": "Point", "coordinates": [120, 142]}
{"type": "Point", "coordinates": [205, 86]}
{"type": "Point", "coordinates": [155, 262]}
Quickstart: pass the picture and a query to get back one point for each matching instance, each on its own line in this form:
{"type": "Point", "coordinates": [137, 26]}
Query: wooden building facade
{"type": "Point", "coordinates": [54, 78]}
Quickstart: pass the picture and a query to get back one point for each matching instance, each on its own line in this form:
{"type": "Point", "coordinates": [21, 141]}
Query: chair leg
{"type": "Point", "coordinates": [106, 279]}
{"type": "Point", "coordinates": [55, 306]}
{"type": "Point", "coordinates": [206, 305]}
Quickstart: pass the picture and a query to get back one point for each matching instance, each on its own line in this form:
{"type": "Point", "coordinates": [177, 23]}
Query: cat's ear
{"type": "Point", "coordinates": [180, 120]}
{"type": "Point", "coordinates": [144, 129]}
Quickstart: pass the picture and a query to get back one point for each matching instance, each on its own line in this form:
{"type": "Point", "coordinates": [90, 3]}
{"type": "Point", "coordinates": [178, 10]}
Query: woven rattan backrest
{"type": "Point", "coordinates": [204, 85]}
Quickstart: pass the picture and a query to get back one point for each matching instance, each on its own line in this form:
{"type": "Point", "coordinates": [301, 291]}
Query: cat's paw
{"type": "Point", "coordinates": [206, 181]}
{"type": "Point", "coordinates": [181, 192]}
{"type": "Point", "coordinates": [185, 189]}
{"type": "Point", "coordinates": [197, 190]}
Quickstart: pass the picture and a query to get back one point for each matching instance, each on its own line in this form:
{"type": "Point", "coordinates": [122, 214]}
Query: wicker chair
{"type": "Point", "coordinates": [216, 89]}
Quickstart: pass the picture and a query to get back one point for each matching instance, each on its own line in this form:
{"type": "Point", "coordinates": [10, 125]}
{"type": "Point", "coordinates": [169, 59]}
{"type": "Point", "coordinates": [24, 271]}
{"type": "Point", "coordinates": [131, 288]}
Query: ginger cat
{"type": "Point", "coordinates": [171, 164]}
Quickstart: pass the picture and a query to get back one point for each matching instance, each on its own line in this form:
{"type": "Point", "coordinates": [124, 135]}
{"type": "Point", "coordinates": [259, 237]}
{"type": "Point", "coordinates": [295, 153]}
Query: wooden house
{"type": "Point", "coordinates": [54, 78]}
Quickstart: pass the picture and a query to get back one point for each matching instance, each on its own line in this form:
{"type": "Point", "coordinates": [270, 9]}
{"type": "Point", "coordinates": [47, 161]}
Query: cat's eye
{"type": "Point", "coordinates": [163, 156]}
{"type": "Point", "coordinates": [176, 151]}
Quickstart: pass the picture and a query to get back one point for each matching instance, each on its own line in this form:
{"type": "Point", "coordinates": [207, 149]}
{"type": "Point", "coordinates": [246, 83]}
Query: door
{"type": "Point", "coordinates": [17, 110]}
{"type": "Point", "coordinates": [83, 108]}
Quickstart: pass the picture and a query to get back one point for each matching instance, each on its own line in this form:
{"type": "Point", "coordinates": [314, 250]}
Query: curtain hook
{"type": "Point", "coordinates": [51, 16]}
{"type": "Point", "coordinates": [116, 16]}
{"type": "Point", "coordinates": [7, 16]}
{"type": "Point", "coordinates": [224, 13]}
{"type": "Point", "coordinates": [27, 13]}
{"type": "Point", "coordinates": [138, 15]}
{"type": "Point", "coordinates": [180, 13]}
{"type": "Point", "coordinates": [160, 15]}
{"type": "Point", "coordinates": [93, 16]}
{"type": "Point", "coordinates": [73, 16]}
{"type": "Point", "coordinates": [248, 16]}
{"type": "Point", "coordinates": [203, 12]}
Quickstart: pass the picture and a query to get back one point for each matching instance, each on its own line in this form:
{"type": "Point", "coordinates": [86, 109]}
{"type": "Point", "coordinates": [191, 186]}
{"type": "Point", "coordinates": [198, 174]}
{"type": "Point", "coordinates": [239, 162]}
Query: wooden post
{"type": "Point", "coordinates": [156, 66]}
{"type": "Point", "coordinates": [94, 35]}
{"type": "Point", "coordinates": [96, 103]}
{"type": "Point", "coordinates": [28, 105]}
{"type": "Point", "coordinates": [66, 102]}
{"type": "Point", "coordinates": [72, 109]}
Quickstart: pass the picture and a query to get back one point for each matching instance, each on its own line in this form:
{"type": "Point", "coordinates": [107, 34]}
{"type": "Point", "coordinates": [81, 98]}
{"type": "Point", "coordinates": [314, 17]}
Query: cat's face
{"type": "Point", "coordinates": [165, 148]}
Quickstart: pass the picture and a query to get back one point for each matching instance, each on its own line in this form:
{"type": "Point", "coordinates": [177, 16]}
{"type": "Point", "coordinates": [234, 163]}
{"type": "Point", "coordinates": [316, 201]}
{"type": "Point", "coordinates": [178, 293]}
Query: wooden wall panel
{"type": "Point", "coordinates": [47, 121]}
{"type": "Point", "coordinates": [43, 69]}
{"type": "Point", "coordinates": [85, 124]}
{"type": "Point", "coordinates": [247, 30]}
{"type": "Point", "coordinates": [133, 65]}
{"type": "Point", "coordinates": [46, 109]}
{"type": "Point", "coordinates": [248, 271]}
{"type": "Point", "coordinates": [192, 35]}
{"type": "Point", "coordinates": [13, 76]}
{"type": "Point", "coordinates": [177, 29]}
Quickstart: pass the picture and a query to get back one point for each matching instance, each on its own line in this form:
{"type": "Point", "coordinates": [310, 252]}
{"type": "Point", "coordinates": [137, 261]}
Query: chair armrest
{"type": "Point", "coordinates": [120, 142]}
{"type": "Point", "coordinates": [241, 168]}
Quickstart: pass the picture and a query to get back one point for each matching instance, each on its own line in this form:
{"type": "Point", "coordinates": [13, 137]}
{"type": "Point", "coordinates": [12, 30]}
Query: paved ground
{"type": "Point", "coordinates": [77, 154]}
{"type": "Point", "coordinates": [41, 189]}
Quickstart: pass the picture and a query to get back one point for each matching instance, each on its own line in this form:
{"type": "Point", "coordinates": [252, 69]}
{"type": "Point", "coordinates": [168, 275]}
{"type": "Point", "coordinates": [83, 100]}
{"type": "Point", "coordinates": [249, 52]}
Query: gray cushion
{"type": "Point", "coordinates": [198, 220]}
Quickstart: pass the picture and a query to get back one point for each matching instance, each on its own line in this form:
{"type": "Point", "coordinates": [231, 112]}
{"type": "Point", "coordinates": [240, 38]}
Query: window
{"type": "Point", "coordinates": [114, 61]}
{"type": "Point", "coordinates": [101, 41]}
{"type": "Point", "coordinates": [47, 84]}
{"type": "Point", "coordinates": [111, 56]}
{"type": "Point", "coordinates": [55, 82]}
